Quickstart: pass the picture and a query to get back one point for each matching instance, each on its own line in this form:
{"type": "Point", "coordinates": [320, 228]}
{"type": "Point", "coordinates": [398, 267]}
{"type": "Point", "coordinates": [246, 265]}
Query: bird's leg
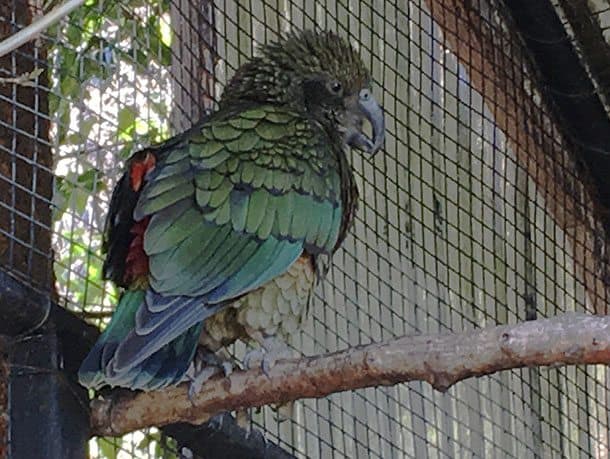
{"type": "Point", "coordinates": [271, 350]}
{"type": "Point", "coordinates": [205, 365]}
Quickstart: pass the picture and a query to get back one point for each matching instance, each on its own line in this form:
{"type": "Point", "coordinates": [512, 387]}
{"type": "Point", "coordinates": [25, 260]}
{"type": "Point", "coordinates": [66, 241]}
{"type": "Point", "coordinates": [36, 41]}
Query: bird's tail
{"type": "Point", "coordinates": [165, 367]}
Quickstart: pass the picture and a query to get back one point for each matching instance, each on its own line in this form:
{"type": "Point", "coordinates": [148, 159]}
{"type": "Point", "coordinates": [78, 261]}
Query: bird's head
{"type": "Point", "coordinates": [318, 72]}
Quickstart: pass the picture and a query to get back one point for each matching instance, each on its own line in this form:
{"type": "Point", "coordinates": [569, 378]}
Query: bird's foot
{"type": "Point", "coordinates": [272, 349]}
{"type": "Point", "coordinates": [205, 365]}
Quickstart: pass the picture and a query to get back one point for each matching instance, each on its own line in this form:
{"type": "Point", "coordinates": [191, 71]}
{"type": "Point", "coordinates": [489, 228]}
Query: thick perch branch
{"type": "Point", "coordinates": [441, 360]}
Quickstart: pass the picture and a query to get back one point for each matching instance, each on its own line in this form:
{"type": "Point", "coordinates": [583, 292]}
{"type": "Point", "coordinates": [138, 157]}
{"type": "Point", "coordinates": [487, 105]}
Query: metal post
{"type": "Point", "coordinates": [48, 415]}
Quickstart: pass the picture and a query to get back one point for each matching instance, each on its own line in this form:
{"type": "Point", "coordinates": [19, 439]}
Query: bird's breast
{"type": "Point", "coordinates": [276, 308]}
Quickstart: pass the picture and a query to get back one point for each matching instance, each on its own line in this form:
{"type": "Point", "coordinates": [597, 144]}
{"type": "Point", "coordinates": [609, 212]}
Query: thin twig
{"type": "Point", "coordinates": [42, 23]}
{"type": "Point", "coordinates": [441, 360]}
{"type": "Point", "coordinates": [25, 79]}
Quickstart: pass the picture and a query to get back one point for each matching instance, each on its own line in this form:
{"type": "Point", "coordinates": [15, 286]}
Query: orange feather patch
{"type": "Point", "coordinates": [139, 169]}
{"type": "Point", "coordinates": [136, 262]}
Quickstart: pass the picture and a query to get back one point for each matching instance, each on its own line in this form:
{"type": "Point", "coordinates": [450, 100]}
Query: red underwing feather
{"type": "Point", "coordinates": [139, 169]}
{"type": "Point", "coordinates": [136, 262]}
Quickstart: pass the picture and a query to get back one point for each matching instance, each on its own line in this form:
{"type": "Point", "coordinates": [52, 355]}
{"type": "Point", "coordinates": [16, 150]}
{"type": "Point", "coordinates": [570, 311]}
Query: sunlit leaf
{"type": "Point", "coordinates": [107, 448]}
{"type": "Point", "coordinates": [165, 32]}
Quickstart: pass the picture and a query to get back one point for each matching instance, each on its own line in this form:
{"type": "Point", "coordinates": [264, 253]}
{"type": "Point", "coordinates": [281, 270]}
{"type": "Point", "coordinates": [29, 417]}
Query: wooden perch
{"type": "Point", "coordinates": [441, 360]}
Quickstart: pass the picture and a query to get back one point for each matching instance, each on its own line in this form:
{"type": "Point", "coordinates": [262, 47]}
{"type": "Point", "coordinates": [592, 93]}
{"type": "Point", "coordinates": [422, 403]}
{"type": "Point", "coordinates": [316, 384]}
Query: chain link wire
{"type": "Point", "coordinates": [464, 219]}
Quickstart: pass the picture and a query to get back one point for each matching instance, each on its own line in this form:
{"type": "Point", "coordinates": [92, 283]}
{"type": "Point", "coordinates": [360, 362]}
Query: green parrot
{"type": "Point", "coordinates": [221, 233]}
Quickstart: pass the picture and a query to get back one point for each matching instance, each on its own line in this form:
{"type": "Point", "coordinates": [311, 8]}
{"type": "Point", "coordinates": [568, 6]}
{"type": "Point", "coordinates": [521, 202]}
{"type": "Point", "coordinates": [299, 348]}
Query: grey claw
{"type": "Point", "coordinates": [199, 380]}
{"type": "Point", "coordinates": [266, 366]}
{"type": "Point", "coordinates": [227, 368]}
{"type": "Point", "coordinates": [252, 358]}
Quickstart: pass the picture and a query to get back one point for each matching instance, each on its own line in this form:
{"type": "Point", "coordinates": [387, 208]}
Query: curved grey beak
{"type": "Point", "coordinates": [374, 114]}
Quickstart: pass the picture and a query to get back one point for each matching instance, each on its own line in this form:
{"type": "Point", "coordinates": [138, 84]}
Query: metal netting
{"type": "Point", "coordinates": [476, 212]}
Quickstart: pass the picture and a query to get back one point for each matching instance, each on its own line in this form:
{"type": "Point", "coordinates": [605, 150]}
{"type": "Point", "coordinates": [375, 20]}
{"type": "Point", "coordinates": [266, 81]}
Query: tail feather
{"type": "Point", "coordinates": [164, 367]}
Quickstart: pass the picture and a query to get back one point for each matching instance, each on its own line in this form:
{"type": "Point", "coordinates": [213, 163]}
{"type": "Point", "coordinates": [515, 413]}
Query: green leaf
{"type": "Point", "coordinates": [126, 122]}
{"type": "Point", "coordinates": [107, 447]}
{"type": "Point", "coordinates": [165, 32]}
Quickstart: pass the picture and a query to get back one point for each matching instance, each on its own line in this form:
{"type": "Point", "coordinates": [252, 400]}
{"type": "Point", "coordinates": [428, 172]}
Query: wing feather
{"type": "Point", "coordinates": [234, 213]}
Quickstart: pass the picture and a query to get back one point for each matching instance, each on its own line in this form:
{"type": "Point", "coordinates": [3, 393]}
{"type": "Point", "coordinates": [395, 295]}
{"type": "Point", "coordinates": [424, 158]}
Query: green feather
{"type": "Point", "coordinates": [301, 219]}
{"type": "Point", "coordinates": [264, 159]}
{"type": "Point", "coordinates": [212, 161]}
{"type": "Point", "coordinates": [266, 225]}
{"type": "Point", "coordinates": [203, 197]}
{"type": "Point", "coordinates": [221, 194]}
{"type": "Point", "coordinates": [183, 254]}
{"type": "Point", "coordinates": [274, 132]}
{"type": "Point", "coordinates": [236, 259]}
{"type": "Point", "coordinates": [239, 209]}
{"type": "Point", "coordinates": [243, 123]}
{"type": "Point", "coordinates": [254, 114]}
{"type": "Point", "coordinates": [176, 155]}
{"type": "Point", "coordinates": [268, 179]}
{"type": "Point", "coordinates": [315, 221]}
{"type": "Point", "coordinates": [326, 221]}
{"type": "Point", "coordinates": [284, 212]}
{"type": "Point", "coordinates": [245, 143]}
{"type": "Point", "coordinates": [168, 228]}
{"type": "Point", "coordinates": [232, 164]}
{"type": "Point", "coordinates": [203, 179]}
{"type": "Point", "coordinates": [224, 132]}
{"type": "Point", "coordinates": [278, 161]}
{"type": "Point", "coordinates": [147, 206]}
{"type": "Point", "coordinates": [222, 260]}
{"type": "Point", "coordinates": [291, 162]}
{"type": "Point", "coordinates": [279, 117]}
{"type": "Point", "coordinates": [319, 186]}
{"type": "Point", "coordinates": [221, 215]}
{"type": "Point", "coordinates": [158, 187]}
{"type": "Point", "coordinates": [191, 281]}
{"type": "Point", "coordinates": [281, 180]}
{"type": "Point", "coordinates": [333, 234]}
{"type": "Point", "coordinates": [259, 177]}
{"type": "Point", "coordinates": [206, 150]}
{"type": "Point", "coordinates": [248, 171]}
{"type": "Point", "coordinates": [256, 210]}
{"type": "Point", "coordinates": [171, 170]}
{"type": "Point", "coordinates": [215, 237]}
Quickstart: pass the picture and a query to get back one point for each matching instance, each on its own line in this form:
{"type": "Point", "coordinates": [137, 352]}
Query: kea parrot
{"type": "Point", "coordinates": [222, 232]}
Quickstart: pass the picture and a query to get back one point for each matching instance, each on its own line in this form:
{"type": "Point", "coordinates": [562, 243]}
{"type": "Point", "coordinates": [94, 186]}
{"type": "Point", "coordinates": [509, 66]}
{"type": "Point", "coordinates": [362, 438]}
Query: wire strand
{"type": "Point", "coordinates": [30, 32]}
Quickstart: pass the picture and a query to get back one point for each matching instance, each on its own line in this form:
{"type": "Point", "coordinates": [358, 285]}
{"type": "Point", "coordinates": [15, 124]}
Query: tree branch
{"type": "Point", "coordinates": [441, 360]}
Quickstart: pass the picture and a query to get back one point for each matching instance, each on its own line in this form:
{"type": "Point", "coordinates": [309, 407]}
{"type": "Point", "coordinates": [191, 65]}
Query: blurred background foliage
{"type": "Point", "coordinates": [110, 94]}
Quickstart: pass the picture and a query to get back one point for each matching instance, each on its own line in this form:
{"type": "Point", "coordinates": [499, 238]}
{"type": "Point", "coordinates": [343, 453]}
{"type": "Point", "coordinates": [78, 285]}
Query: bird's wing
{"type": "Point", "coordinates": [230, 208]}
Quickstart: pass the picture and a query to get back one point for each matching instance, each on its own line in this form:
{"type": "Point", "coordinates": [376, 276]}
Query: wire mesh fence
{"type": "Point", "coordinates": [475, 213]}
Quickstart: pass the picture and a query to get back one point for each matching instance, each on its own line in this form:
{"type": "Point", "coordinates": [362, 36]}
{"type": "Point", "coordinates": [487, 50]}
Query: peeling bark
{"type": "Point", "coordinates": [441, 360]}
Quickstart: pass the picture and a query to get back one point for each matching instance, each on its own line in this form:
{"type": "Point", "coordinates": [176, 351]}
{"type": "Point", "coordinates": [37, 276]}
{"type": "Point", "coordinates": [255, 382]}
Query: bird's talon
{"type": "Point", "coordinates": [253, 359]}
{"type": "Point", "coordinates": [227, 368]}
{"type": "Point", "coordinates": [266, 366]}
{"type": "Point", "coordinates": [197, 382]}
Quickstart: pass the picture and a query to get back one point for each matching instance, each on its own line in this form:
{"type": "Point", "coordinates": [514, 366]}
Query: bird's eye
{"type": "Point", "coordinates": [336, 87]}
{"type": "Point", "coordinates": [365, 94]}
